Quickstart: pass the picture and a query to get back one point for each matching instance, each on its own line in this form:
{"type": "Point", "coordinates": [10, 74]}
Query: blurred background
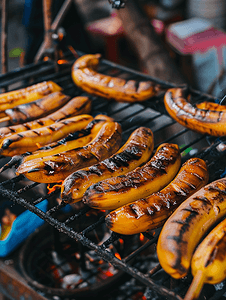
{"type": "Point", "coordinates": [159, 37]}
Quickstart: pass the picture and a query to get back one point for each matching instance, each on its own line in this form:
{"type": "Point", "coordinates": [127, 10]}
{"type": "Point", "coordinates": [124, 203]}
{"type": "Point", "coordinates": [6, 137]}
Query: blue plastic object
{"type": "Point", "coordinates": [22, 227]}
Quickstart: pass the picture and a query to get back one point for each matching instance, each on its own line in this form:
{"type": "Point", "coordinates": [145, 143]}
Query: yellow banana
{"type": "Point", "coordinates": [72, 141]}
{"type": "Point", "coordinates": [210, 106]}
{"type": "Point", "coordinates": [119, 89]}
{"type": "Point", "coordinates": [76, 106]}
{"type": "Point", "coordinates": [28, 94]}
{"type": "Point", "coordinates": [114, 192]}
{"type": "Point", "coordinates": [206, 121]}
{"type": "Point", "coordinates": [36, 109]}
{"type": "Point", "coordinates": [187, 225]}
{"type": "Point", "coordinates": [136, 151]}
{"type": "Point", "coordinates": [209, 261]}
{"type": "Point", "coordinates": [31, 140]}
{"type": "Point", "coordinates": [56, 168]}
{"type": "Point", "coordinates": [151, 212]}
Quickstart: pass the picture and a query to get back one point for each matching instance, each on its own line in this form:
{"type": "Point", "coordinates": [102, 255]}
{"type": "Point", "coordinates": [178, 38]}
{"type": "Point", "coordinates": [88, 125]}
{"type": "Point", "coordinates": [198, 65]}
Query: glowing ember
{"type": "Point", "coordinates": [141, 237]}
{"type": "Point", "coordinates": [53, 188]}
{"type": "Point", "coordinates": [121, 241]}
{"type": "Point", "coordinates": [108, 273]}
{"type": "Point", "coordinates": [60, 36]}
{"type": "Point", "coordinates": [118, 255]}
{"type": "Point", "coordinates": [62, 61]}
{"type": "Point", "coordinates": [46, 58]}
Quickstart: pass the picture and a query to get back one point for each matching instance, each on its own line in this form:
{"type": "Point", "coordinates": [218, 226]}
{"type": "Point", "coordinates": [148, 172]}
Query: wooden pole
{"type": "Point", "coordinates": [47, 17]}
{"type": "Point", "coordinates": [4, 36]}
{"type": "Point", "coordinates": [151, 51]}
{"type": "Point", "coordinates": [55, 25]}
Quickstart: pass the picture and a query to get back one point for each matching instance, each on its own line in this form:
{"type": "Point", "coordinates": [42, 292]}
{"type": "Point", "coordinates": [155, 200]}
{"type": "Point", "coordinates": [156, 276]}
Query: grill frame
{"type": "Point", "coordinates": [211, 152]}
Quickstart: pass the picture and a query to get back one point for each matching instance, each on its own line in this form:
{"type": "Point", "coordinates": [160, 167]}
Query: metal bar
{"type": "Point", "coordinates": [26, 75]}
{"type": "Point", "coordinates": [61, 14]}
{"type": "Point", "coordinates": [106, 255]}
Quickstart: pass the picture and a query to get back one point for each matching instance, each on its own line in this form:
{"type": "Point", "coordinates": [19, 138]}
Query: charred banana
{"type": "Point", "coordinates": [72, 141]}
{"type": "Point", "coordinates": [210, 106]}
{"type": "Point", "coordinates": [187, 225]}
{"type": "Point", "coordinates": [31, 140]}
{"type": "Point", "coordinates": [208, 263]}
{"type": "Point", "coordinates": [28, 94]}
{"type": "Point", "coordinates": [151, 212]}
{"type": "Point", "coordinates": [85, 77]}
{"type": "Point", "coordinates": [57, 167]}
{"type": "Point", "coordinates": [36, 109]}
{"type": "Point", "coordinates": [141, 182]}
{"type": "Point", "coordinates": [76, 106]}
{"type": "Point", "coordinates": [136, 151]}
{"type": "Point", "coordinates": [205, 121]}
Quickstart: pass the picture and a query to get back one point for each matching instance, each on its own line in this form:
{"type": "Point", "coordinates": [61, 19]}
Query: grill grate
{"type": "Point", "coordinates": [150, 113]}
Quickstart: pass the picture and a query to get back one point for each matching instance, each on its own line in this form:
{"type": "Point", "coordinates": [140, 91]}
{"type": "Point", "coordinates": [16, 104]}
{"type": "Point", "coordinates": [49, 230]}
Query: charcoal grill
{"type": "Point", "coordinates": [150, 113]}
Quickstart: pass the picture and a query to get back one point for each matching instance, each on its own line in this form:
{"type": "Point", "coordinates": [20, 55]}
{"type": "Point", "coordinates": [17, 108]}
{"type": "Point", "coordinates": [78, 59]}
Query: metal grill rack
{"type": "Point", "coordinates": [150, 113]}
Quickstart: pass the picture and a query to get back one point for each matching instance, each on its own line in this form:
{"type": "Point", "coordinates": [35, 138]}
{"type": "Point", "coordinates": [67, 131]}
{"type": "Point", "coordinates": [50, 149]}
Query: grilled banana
{"type": "Point", "coordinates": [136, 151]}
{"type": "Point", "coordinates": [31, 140]}
{"type": "Point", "coordinates": [209, 261]}
{"type": "Point", "coordinates": [72, 141]}
{"type": "Point", "coordinates": [117, 191]}
{"type": "Point", "coordinates": [57, 167]}
{"type": "Point", "coordinates": [204, 121]}
{"type": "Point", "coordinates": [151, 212]}
{"type": "Point", "coordinates": [28, 94]}
{"type": "Point", "coordinates": [76, 106]}
{"type": "Point", "coordinates": [36, 109]}
{"type": "Point", "coordinates": [85, 77]}
{"type": "Point", "coordinates": [187, 225]}
{"type": "Point", "coordinates": [210, 106]}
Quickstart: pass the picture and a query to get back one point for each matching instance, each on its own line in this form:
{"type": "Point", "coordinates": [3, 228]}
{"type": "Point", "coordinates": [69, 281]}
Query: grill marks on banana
{"type": "Point", "coordinates": [38, 108]}
{"type": "Point", "coordinates": [21, 135]}
{"type": "Point", "coordinates": [166, 203]}
{"type": "Point", "coordinates": [208, 265]}
{"type": "Point", "coordinates": [57, 167]}
{"type": "Point", "coordinates": [85, 76]}
{"type": "Point", "coordinates": [151, 212]}
{"type": "Point", "coordinates": [157, 166]}
{"type": "Point", "coordinates": [111, 164]}
{"type": "Point", "coordinates": [77, 105]}
{"type": "Point", "coordinates": [192, 111]}
{"type": "Point", "coordinates": [185, 224]}
{"type": "Point", "coordinates": [192, 220]}
{"type": "Point", "coordinates": [206, 118]}
{"type": "Point", "coordinates": [141, 182]}
{"type": "Point", "coordinates": [135, 152]}
{"type": "Point", "coordinates": [11, 99]}
{"type": "Point", "coordinates": [31, 140]}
